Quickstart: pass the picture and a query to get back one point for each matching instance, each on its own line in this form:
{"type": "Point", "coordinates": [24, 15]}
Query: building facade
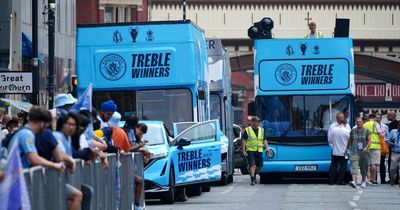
{"type": "Point", "coordinates": [16, 19]}
{"type": "Point", "coordinates": [111, 11]}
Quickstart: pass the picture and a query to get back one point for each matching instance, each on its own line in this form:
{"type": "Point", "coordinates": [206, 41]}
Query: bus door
{"type": "Point", "coordinates": [196, 154]}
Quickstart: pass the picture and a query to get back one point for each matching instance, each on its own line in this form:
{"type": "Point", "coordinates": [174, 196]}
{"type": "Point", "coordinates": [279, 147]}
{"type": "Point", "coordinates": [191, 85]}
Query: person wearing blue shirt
{"type": "Point", "coordinates": [394, 142]}
{"type": "Point", "coordinates": [25, 138]}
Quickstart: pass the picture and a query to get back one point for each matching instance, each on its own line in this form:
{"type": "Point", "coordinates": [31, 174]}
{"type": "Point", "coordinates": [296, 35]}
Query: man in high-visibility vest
{"type": "Point", "coordinates": [313, 32]}
{"type": "Point", "coordinates": [253, 143]}
{"type": "Point", "coordinates": [375, 146]}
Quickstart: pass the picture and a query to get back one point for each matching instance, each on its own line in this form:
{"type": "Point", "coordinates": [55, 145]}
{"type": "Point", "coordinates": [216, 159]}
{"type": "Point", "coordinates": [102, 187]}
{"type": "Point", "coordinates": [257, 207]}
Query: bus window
{"type": "Point", "coordinates": [296, 116]}
{"type": "Point", "coordinates": [125, 100]}
{"type": "Point", "coordinates": [215, 102]}
{"type": "Point", "coordinates": [174, 105]}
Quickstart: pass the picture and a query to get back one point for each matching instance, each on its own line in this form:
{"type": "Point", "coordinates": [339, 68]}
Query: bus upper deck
{"type": "Point", "coordinates": [156, 70]}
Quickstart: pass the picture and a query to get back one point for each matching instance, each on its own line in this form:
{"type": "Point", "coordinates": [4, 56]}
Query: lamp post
{"type": "Point", "coordinates": [34, 61]}
{"type": "Point", "coordinates": [184, 9]}
{"type": "Point", "coordinates": [51, 77]}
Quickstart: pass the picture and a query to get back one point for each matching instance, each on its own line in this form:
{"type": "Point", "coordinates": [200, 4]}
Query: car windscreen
{"type": "Point", "coordinates": [155, 134]}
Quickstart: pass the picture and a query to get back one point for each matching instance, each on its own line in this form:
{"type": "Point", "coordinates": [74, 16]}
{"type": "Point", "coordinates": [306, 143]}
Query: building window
{"type": "Point", "coordinates": [127, 14]}
{"type": "Point", "coordinates": [108, 15]}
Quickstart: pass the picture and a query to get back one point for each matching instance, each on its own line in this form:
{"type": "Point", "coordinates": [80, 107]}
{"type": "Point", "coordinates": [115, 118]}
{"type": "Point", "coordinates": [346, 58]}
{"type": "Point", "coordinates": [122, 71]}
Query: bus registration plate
{"type": "Point", "coordinates": [305, 168]}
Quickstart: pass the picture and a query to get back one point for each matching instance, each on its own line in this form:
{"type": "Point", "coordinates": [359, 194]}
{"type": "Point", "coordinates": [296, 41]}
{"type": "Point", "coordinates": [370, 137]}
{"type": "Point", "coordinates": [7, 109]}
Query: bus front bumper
{"type": "Point", "coordinates": [319, 166]}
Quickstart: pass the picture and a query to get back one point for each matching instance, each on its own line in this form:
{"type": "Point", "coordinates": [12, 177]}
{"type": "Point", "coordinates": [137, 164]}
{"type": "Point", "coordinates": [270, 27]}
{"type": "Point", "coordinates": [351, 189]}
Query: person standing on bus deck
{"type": "Point", "coordinates": [253, 142]}
{"type": "Point", "coordinates": [338, 138]}
{"type": "Point", "coordinates": [375, 146]}
{"type": "Point", "coordinates": [313, 32]}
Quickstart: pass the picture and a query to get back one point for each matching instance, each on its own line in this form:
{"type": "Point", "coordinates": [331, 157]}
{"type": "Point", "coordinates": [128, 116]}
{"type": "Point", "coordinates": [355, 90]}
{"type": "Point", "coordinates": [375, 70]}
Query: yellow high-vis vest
{"type": "Point", "coordinates": [254, 142]}
{"type": "Point", "coordinates": [318, 35]}
{"type": "Point", "coordinates": [375, 143]}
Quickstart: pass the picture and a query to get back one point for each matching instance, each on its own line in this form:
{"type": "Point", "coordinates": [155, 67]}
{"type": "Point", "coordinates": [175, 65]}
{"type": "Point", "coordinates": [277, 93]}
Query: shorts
{"type": "Point", "coordinates": [359, 161]}
{"type": "Point", "coordinates": [255, 158]}
{"type": "Point", "coordinates": [374, 156]}
{"type": "Point", "coordinates": [69, 190]}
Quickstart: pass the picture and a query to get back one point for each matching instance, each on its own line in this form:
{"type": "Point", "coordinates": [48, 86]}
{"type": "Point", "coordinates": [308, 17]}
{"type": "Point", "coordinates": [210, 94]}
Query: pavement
{"type": "Point", "coordinates": [299, 194]}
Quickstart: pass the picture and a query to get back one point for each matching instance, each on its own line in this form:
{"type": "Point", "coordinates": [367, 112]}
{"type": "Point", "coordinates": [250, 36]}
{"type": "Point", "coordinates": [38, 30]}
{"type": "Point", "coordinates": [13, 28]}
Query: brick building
{"type": "Point", "coordinates": [111, 11]}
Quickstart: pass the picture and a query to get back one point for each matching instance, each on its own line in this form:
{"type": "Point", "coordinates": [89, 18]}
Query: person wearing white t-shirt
{"type": "Point", "coordinates": [339, 137]}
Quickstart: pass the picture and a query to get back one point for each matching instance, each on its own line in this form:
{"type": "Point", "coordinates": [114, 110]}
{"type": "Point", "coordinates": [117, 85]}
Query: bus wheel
{"type": "Point", "coordinates": [169, 196]}
{"type": "Point", "coordinates": [244, 170]}
{"type": "Point", "coordinates": [230, 178]}
{"type": "Point", "coordinates": [224, 179]}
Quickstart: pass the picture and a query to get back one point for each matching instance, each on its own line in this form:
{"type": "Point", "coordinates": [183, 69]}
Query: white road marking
{"type": "Point", "coordinates": [353, 204]}
{"type": "Point", "coordinates": [356, 198]}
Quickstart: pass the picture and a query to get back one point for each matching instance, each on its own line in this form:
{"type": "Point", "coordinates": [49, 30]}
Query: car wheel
{"type": "Point", "coordinates": [195, 190]}
{"type": "Point", "coordinates": [206, 188]}
{"type": "Point", "coordinates": [169, 197]}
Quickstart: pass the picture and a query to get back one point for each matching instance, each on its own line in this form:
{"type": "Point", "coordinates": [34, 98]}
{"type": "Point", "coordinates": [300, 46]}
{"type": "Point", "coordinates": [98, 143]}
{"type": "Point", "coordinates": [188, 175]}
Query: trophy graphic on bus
{"type": "Point", "coordinates": [134, 32]}
{"type": "Point", "coordinates": [303, 48]}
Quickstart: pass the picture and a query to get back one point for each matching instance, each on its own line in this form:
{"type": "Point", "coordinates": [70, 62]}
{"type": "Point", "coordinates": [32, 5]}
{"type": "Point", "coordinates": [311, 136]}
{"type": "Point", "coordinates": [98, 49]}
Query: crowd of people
{"type": "Point", "coordinates": [367, 145]}
{"type": "Point", "coordinates": [55, 139]}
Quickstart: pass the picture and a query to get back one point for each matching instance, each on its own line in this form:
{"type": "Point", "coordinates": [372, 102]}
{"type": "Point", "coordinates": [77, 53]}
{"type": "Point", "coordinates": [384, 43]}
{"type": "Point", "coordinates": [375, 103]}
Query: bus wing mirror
{"type": "Point", "coordinates": [251, 109]}
{"type": "Point", "coordinates": [183, 142]}
{"type": "Point", "coordinates": [201, 94]}
{"type": "Point", "coordinates": [235, 99]}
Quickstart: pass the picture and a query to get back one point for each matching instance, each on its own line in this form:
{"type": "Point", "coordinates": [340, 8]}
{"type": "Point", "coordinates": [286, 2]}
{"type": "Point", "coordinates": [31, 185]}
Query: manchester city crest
{"type": "Point", "coordinates": [285, 74]}
{"type": "Point", "coordinates": [112, 67]}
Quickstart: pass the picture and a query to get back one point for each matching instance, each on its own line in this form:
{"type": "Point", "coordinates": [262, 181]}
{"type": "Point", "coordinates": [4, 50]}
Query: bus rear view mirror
{"type": "Point", "coordinates": [251, 109]}
{"type": "Point", "coordinates": [183, 142]}
{"type": "Point", "coordinates": [201, 94]}
{"type": "Point", "coordinates": [235, 99]}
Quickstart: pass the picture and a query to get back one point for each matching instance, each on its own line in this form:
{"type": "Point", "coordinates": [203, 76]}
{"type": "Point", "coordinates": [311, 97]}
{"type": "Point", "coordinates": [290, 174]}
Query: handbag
{"type": "Point", "coordinates": [384, 148]}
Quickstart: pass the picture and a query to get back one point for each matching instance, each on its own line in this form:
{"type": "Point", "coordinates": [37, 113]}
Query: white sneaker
{"type": "Point", "coordinates": [138, 208]}
{"type": "Point", "coordinates": [363, 185]}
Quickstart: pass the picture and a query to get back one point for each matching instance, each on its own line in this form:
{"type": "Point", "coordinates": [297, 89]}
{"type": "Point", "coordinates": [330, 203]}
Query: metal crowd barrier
{"type": "Point", "coordinates": [46, 187]}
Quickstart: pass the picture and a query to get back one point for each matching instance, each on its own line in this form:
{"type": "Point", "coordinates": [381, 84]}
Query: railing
{"type": "Point", "coordinates": [46, 187]}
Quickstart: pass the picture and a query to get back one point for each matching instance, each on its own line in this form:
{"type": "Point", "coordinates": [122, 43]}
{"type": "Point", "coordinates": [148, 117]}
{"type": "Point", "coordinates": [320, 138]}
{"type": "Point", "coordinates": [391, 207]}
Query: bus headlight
{"type": "Point", "coordinates": [270, 154]}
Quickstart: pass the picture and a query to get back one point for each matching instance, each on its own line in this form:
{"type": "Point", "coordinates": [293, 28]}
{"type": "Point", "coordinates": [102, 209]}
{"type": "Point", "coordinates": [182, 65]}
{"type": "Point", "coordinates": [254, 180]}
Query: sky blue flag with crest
{"type": "Point", "coordinates": [85, 102]}
{"type": "Point", "coordinates": [13, 191]}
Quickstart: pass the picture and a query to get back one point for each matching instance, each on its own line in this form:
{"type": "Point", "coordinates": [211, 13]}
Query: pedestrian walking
{"type": "Point", "coordinates": [374, 150]}
{"type": "Point", "coordinates": [254, 141]}
{"type": "Point", "coordinates": [359, 142]}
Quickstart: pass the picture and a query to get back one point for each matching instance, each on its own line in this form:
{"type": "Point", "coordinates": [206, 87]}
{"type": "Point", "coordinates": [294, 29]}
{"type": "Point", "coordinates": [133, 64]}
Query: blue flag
{"type": "Point", "coordinates": [13, 191]}
{"type": "Point", "coordinates": [85, 102]}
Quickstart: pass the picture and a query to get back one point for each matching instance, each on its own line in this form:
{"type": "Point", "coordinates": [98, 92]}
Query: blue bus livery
{"type": "Point", "coordinates": [158, 71]}
{"type": "Point", "coordinates": [300, 86]}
